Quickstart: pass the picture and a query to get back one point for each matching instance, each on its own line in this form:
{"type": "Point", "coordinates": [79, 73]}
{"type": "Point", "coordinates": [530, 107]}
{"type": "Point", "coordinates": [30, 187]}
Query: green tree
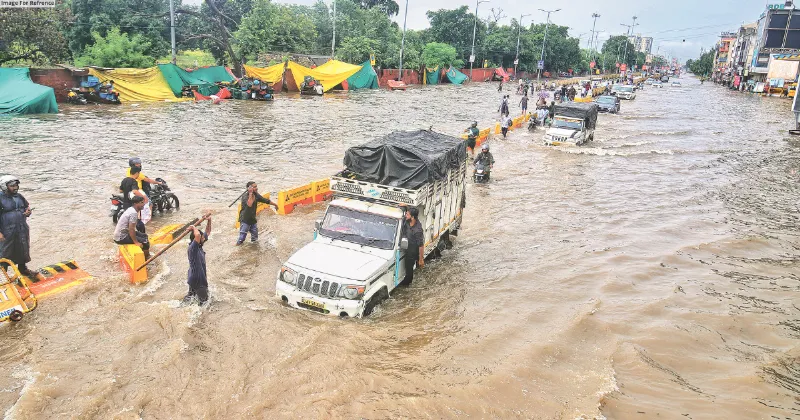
{"type": "Point", "coordinates": [390, 7]}
{"type": "Point", "coordinates": [615, 48]}
{"type": "Point", "coordinates": [271, 27]}
{"type": "Point", "coordinates": [116, 49]}
{"type": "Point", "coordinates": [703, 65]}
{"type": "Point", "coordinates": [454, 27]}
{"type": "Point", "coordinates": [33, 35]}
{"type": "Point", "coordinates": [436, 54]}
{"type": "Point", "coordinates": [356, 49]}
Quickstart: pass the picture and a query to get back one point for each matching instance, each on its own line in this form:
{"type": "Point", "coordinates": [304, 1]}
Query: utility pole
{"type": "Point", "coordinates": [595, 16]}
{"type": "Point", "coordinates": [403, 43]}
{"type": "Point", "coordinates": [172, 30]}
{"type": "Point", "coordinates": [474, 30]}
{"type": "Point", "coordinates": [541, 58]}
{"type": "Point", "coordinates": [333, 40]}
{"type": "Point", "coordinates": [519, 32]}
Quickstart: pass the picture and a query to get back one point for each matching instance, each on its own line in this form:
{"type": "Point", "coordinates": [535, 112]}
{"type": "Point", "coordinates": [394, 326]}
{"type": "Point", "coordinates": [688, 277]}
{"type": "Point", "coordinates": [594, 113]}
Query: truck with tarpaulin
{"type": "Point", "coordinates": [573, 124]}
{"type": "Point", "coordinates": [356, 257]}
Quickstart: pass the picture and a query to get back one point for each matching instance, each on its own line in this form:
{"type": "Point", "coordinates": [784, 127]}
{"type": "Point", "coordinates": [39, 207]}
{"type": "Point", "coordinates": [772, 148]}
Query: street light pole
{"type": "Point", "coordinates": [172, 31]}
{"type": "Point", "coordinates": [403, 43]}
{"type": "Point", "coordinates": [541, 58]}
{"type": "Point", "coordinates": [595, 16]}
{"type": "Point", "coordinates": [474, 31]}
{"type": "Point", "coordinates": [519, 32]}
{"type": "Point", "coordinates": [333, 40]}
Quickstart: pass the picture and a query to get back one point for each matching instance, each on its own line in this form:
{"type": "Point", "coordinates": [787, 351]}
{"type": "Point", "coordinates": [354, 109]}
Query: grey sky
{"type": "Point", "coordinates": [698, 22]}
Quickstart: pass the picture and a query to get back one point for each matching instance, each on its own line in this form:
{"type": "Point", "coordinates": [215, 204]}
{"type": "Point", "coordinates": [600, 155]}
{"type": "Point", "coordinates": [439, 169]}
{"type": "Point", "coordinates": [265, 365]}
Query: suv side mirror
{"type": "Point", "coordinates": [404, 244]}
{"type": "Point", "coordinates": [318, 224]}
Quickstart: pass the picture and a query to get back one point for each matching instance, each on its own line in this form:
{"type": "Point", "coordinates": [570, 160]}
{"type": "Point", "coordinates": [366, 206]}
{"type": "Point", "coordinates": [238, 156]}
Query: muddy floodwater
{"type": "Point", "coordinates": [651, 274]}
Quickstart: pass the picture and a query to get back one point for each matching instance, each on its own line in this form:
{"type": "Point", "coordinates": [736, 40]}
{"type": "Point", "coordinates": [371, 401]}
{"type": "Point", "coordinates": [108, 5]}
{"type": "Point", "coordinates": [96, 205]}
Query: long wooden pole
{"type": "Point", "coordinates": [174, 241]}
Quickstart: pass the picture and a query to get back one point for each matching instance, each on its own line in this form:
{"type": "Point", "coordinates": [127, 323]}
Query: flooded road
{"type": "Point", "coordinates": [652, 274]}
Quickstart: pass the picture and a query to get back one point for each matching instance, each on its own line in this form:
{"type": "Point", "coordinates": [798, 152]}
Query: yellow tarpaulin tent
{"type": "Point", "coordinates": [271, 74]}
{"type": "Point", "coordinates": [329, 74]}
{"type": "Point", "coordinates": [138, 85]}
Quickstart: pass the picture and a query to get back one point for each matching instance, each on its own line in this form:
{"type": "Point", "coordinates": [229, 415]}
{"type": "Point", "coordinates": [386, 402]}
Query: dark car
{"type": "Point", "coordinates": [608, 103]}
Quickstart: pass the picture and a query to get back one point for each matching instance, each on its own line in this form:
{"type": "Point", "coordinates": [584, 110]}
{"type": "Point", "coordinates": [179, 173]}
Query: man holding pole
{"type": "Point", "coordinates": [197, 278]}
{"type": "Point", "coordinates": [247, 213]}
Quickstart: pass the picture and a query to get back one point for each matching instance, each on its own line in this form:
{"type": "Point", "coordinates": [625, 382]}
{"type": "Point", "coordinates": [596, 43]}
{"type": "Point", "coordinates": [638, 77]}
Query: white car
{"type": "Point", "coordinates": [623, 91]}
{"type": "Point", "coordinates": [657, 84]}
{"type": "Point", "coordinates": [676, 83]}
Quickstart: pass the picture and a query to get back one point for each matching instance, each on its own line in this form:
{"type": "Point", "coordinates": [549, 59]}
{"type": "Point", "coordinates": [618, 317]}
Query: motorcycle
{"type": "Point", "coordinates": [117, 207]}
{"type": "Point", "coordinates": [481, 173]}
{"type": "Point", "coordinates": [162, 197]}
{"type": "Point", "coordinates": [533, 123]}
{"type": "Point", "coordinates": [75, 96]}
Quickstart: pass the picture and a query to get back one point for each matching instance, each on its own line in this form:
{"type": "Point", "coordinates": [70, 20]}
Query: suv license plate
{"type": "Point", "coordinates": [313, 303]}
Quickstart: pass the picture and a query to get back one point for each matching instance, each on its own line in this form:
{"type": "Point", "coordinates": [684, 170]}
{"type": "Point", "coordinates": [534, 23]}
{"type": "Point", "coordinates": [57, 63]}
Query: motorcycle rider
{"type": "Point", "coordinates": [144, 186]}
{"type": "Point", "coordinates": [486, 159]}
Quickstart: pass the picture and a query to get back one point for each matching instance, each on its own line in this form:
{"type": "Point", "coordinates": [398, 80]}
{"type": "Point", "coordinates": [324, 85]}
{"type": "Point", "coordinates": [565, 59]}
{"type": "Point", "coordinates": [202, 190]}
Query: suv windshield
{"type": "Point", "coordinates": [359, 227]}
{"type": "Point", "coordinates": [623, 89]}
{"type": "Point", "coordinates": [570, 125]}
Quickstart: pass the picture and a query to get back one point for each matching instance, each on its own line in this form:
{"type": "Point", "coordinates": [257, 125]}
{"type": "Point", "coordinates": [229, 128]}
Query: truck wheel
{"type": "Point", "coordinates": [448, 244]}
{"type": "Point", "coordinates": [374, 301]}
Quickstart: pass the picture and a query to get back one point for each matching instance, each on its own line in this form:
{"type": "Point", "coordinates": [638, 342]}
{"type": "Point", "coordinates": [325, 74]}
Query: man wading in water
{"type": "Point", "coordinates": [247, 215]}
{"type": "Point", "coordinates": [412, 230]}
{"type": "Point", "coordinates": [198, 281]}
{"type": "Point", "coordinates": [15, 239]}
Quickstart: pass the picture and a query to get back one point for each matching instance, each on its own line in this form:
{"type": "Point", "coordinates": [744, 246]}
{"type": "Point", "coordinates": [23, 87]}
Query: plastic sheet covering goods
{"type": "Point", "coordinates": [406, 159]}
{"type": "Point", "coordinates": [271, 74]}
{"type": "Point", "coordinates": [137, 85]}
{"type": "Point", "coordinates": [19, 95]}
{"type": "Point", "coordinates": [330, 74]}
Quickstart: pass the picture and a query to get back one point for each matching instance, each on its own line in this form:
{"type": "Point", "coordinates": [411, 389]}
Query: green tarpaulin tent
{"type": "Point", "coordinates": [432, 77]}
{"type": "Point", "coordinates": [204, 78]}
{"type": "Point", "coordinates": [19, 95]}
{"type": "Point", "coordinates": [456, 77]}
{"type": "Point", "coordinates": [366, 78]}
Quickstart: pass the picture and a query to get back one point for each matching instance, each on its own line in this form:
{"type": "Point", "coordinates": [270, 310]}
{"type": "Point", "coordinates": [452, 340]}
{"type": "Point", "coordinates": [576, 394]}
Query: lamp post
{"type": "Point", "coordinates": [333, 40]}
{"type": "Point", "coordinates": [474, 30]}
{"type": "Point", "coordinates": [541, 57]}
{"type": "Point", "coordinates": [403, 43]}
{"type": "Point", "coordinates": [595, 16]}
{"type": "Point", "coordinates": [519, 33]}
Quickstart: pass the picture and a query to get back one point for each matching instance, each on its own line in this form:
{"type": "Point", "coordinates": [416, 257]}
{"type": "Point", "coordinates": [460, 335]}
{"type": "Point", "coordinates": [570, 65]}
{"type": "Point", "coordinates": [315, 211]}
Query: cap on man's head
{"type": "Point", "coordinates": [137, 199]}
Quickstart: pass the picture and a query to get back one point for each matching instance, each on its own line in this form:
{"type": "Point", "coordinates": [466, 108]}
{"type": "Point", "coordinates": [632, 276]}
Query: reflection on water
{"type": "Point", "coordinates": [651, 273]}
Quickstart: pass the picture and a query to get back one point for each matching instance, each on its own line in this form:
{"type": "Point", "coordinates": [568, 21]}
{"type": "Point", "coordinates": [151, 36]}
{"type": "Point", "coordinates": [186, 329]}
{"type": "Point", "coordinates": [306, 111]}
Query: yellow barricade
{"type": "Point", "coordinates": [321, 190]}
{"type": "Point", "coordinates": [56, 278]}
{"type": "Point", "coordinates": [291, 198]}
{"type": "Point", "coordinates": [131, 257]}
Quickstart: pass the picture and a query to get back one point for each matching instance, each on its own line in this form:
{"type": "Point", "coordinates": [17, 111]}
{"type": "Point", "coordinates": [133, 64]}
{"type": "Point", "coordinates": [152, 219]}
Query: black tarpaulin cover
{"type": "Point", "coordinates": [406, 159]}
{"type": "Point", "coordinates": [586, 111]}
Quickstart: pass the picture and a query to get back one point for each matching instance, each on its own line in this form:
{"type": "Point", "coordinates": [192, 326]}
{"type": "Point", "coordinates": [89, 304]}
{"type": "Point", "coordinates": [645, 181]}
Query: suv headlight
{"type": "Point", "coordinates": [288, 275]}
{"type": "Point", "coordinates": [352, 292]}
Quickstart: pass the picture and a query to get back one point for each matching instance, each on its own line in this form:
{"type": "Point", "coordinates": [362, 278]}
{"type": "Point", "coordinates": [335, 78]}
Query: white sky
{"type": "Point", "coordinates": [680, 27]}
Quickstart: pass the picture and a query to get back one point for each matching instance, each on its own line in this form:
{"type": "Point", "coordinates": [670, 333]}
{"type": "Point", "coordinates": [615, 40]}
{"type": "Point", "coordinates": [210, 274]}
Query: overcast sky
{"type": "Point", "coordinates": [680, 27]}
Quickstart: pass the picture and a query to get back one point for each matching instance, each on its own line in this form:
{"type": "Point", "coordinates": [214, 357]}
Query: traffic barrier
{"type": "Point", "coordinates": [291, 198]}
{"type": "Point", "coordinates": [165, 235]}
{"type": "Point", "coordinates": [321, 190]}
{"type": "Point", "coordinates": [56, 278]}
{"type": "Point", "coordinates": [130, 257]}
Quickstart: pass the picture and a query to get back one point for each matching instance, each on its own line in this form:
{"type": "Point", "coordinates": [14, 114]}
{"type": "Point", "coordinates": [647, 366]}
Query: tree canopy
{"type": "Point", "coordinates": [436, 54]}
{"type": "Point", "coordinates": [116, 49]}
{"type": "Point", "coordinates": [703, 65]}
{"type": "Point", "coordinates": [33, 35]}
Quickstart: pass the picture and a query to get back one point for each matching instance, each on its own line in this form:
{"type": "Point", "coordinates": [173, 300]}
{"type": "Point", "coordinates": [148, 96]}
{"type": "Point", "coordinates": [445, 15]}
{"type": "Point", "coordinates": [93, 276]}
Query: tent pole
{"type": "Point", "coordinates": [172, 30]}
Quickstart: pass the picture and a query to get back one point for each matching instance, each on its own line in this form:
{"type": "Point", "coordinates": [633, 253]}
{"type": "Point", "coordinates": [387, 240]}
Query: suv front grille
{"type": "Point", "coordinates": [317, 286]}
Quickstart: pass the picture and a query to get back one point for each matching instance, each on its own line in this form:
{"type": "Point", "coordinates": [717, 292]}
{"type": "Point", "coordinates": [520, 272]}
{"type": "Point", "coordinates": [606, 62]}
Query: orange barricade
{"type": "Point", "coordinates": [291, 198]}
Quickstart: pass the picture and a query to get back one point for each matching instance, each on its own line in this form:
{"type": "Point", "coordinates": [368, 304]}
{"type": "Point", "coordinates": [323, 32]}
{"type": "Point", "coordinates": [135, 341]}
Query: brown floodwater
{"type": "Point", "coordinates": [652, 274]}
